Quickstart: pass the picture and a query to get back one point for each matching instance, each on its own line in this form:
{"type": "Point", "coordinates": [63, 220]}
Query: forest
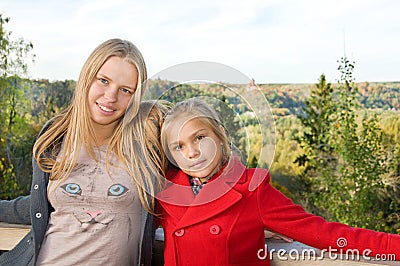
{"type": "Point", "coordinates": [333, 148]}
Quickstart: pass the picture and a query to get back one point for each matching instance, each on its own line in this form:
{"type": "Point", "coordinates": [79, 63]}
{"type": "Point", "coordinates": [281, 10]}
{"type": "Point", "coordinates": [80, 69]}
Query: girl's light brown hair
{"type": "Point", "coordinates": [196, 108]}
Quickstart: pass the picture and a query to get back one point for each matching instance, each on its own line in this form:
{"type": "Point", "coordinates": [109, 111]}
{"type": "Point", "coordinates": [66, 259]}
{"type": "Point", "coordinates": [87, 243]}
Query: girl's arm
{"type": "Point", "coordinates": [16, 211]}
{"type": "Point", "coordinates": [281, 215]}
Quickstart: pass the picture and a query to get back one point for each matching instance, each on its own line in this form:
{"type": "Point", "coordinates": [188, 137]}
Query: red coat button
{"type": "Point", "coordinates": [215, 229]}
{"type": "Point", "coordinates": [180, 232]}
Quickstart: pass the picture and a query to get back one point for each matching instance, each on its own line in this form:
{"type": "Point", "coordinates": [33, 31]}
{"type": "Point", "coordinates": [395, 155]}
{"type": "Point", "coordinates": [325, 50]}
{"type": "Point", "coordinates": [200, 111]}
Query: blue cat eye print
{"type": "Point", "coordinates": [117, 190]}
{"type": "Point", "coordinates": [72, 188]}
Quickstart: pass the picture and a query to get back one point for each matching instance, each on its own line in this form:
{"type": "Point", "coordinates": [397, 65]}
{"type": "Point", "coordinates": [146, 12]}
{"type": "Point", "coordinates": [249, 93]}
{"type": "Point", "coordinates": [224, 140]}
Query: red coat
{"type": "Point", "coordinates": [224, 224]}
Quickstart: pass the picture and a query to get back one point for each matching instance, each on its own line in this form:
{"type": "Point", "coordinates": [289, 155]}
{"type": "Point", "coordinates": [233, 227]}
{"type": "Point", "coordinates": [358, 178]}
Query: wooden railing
{"type": "Point", "coordinates": [284, 254]}
{"type": "Point", "coordinates": [11, 234]}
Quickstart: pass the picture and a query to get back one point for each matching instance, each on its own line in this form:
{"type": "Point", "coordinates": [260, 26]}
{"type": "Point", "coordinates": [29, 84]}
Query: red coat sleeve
{"type": "Point", "coordinates": [281, 215]}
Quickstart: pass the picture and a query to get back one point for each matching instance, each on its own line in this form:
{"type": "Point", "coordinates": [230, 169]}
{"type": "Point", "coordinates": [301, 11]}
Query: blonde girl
{"type": "Point", "coordinates": [89, 203]}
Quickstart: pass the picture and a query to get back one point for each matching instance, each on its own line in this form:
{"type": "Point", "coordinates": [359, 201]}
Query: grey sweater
{"type": "Point", "coordinates": [35, 209]}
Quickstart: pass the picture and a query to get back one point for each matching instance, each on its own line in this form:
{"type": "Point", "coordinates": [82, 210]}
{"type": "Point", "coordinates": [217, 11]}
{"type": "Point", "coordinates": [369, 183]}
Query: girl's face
{"type": "Point", "coordinates": [194, 146]}
{"type": "Point", "coordinates": [111, 91]}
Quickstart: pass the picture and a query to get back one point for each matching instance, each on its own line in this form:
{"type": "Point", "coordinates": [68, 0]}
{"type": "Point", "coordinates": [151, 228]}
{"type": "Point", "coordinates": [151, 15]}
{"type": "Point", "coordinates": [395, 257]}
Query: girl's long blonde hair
{"type": "Point", "coordinates": [142, 146]}
{"type": "Point", "coordinates": [74, 130]}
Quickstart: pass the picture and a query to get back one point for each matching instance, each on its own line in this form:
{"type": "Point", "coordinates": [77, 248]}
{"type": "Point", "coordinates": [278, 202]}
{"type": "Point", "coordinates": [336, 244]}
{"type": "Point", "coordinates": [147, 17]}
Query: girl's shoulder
{"type": "Point", "coordinates": [256, 177]}
{"type": "Point", "coordinates": [252, 178]}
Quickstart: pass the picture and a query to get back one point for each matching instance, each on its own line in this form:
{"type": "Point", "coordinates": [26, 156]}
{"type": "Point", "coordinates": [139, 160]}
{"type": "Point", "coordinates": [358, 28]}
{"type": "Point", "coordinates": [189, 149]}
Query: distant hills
{"type": "Point", "coordinates": [286, 98]}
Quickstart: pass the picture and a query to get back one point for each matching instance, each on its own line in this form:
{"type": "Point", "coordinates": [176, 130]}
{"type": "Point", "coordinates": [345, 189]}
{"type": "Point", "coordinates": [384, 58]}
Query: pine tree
{"type": "Point", "coordinates": [318, 157]}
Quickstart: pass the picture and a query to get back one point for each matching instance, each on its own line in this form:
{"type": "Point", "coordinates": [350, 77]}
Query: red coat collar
{"type": "Point", "coordinates": [179, 192]}
{"type": "Point", "coordinates": [216, 196]}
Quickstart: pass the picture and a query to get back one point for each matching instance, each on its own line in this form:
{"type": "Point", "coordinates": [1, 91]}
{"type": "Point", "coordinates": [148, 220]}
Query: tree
{"type": "Point", "coordinates": [316, 120]}
{"type": "Point", "coordinates": [346, 161]}
{"type": "Point", "coordinates": [318, 157]}
{"type": "Point", "coordinates": [13, 55]}
{"type": "Point", "coordinates": [362, 161]}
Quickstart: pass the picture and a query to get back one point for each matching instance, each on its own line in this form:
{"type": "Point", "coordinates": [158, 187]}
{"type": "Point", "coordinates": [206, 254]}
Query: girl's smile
{"type": "Point", "coordinates": [198, 164]}
{"type": "Point", "coordinates": [110, 92]}
{"type": "Point", "coordinates": [106, 109]}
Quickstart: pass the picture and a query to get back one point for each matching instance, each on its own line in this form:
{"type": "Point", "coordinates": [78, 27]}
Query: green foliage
{"type": "Point", "coordinates": [13, 129]}
{"type": "Point", "coordinates": [9, 188]}
{"type": "Point", "coordinates": [49, 98]}
{"type": "Point", "coordinates": [317, 121]}
{"type": "Point", "coordinates": [346, 172]}
{"type": "Point", "coordinates": [317, 157]}
{"type": "Point", "coordinates": [287, 149]}
{"type": "Point", "coordinates": [361, 157]}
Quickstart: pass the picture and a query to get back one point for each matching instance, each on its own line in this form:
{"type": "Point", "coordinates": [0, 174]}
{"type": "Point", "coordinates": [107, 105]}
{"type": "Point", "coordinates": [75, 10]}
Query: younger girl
{"type": "Point", "coordinates": [213, 214]}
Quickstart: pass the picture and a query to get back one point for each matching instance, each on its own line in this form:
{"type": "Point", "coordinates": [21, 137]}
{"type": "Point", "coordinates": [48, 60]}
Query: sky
{"type": "Point", "coordinates": [272, 41]}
